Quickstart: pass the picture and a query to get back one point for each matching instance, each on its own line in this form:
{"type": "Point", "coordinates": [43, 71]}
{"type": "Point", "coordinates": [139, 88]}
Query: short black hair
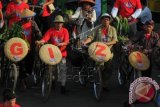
{"type": "Point", "coordinates": [144, 2]}
{"type": "Point", "coordinates": [8, 94]}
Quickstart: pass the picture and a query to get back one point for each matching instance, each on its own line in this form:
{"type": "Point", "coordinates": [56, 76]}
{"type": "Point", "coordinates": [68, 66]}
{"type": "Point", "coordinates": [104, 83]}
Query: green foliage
{"type": "Point", "coordinates": [122, 27]}
{"type": "Point", "coordinates": [14, 31]}
{"type": "Point", "coordinates": [69, 12]}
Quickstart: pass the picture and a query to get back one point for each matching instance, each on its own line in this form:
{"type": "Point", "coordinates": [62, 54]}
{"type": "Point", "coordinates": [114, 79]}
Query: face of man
{"type": "Point", "coordinates": [105, 21]}
{"type": "Point", "coordinates": [58, 25]}
{"type": "Point", "coordinates": [17, 1]}
{"type": "Point", "coordinates": [10, 103]}
{"type": "Point", "coordinates": [86, 6]}
{"type": "Point", "coordinates": [149, 28]}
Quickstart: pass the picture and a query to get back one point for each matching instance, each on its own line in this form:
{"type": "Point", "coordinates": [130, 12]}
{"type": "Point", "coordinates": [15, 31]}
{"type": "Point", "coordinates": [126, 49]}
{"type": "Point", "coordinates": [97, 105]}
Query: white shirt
{"type": "Point", "coordinates": [79, 15]}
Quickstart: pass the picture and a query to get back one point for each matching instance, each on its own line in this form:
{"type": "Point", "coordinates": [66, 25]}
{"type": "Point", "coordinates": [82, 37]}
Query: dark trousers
{"type": "Point", "coordinates": [107, 71]}
{"type": "Point", "coordinates": [45, 24]}
{"type": "Point", "coordinates": [26, 65]}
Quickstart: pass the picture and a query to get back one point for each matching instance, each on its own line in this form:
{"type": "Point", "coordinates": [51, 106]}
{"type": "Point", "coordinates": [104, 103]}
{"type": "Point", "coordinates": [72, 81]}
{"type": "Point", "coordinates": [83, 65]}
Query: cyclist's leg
{"type": "Point", "coordinates": [106, 74]}
{"type": "Point", "coordinates": [29, 60]}
{"type": "Point", "coordinates": [62, 75]}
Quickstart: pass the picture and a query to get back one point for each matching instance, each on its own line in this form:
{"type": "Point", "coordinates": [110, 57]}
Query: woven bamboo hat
{"type": "Point", "coordinates": [59, 18]}
{"type": "Point", "coordinates": [139, 61]}
{"type": "Point", "coordinates": [16, 49]}
{"type": "Point", "coordinates": [27, 13]}
{"type": "Point", "coordinates": [50, 54]}
{"type": "Point", "coordinates": [92, 2]}
{"type": "Point", "coordinates": [99, 52]}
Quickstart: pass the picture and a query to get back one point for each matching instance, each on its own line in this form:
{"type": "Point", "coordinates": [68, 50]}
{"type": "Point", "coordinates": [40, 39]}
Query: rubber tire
{"type": "Point", "coordinates": [47, 78]}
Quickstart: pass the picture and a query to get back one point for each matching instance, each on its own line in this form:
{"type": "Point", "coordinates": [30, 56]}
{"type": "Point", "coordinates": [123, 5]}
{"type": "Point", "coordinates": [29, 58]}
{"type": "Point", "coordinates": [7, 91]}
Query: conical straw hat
{"type": "Point", "coordinates": [139, 61]}
{"type": "Point", "coordinates": [92, 2]}
{"type": "Point", "coordinates": [99, 52]}
{"type": "Point", "coordinates": [27, 13]}
{"type": "Point", "coordinates": [50, 54]}
{"type": "Point", "coordinates": [15, 49]}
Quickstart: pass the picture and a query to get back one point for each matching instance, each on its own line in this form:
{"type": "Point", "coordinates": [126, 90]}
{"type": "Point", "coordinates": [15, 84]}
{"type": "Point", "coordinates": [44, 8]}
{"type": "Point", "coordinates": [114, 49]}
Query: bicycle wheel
{"type": "Point", "coordinates": [46, 83]}
{"type": "Point", "coordinates": [123, 71]}
{"type": "Point", "coordinates": [37, 71]}
{"type": "Point", "coordinates": [97, 85]}
{"type": "Point", "coordinates": [121, 75]}
{"type": "Point", "coordinates": [83, 75]}
{"type": "Point", "coordinates": [11, 76]}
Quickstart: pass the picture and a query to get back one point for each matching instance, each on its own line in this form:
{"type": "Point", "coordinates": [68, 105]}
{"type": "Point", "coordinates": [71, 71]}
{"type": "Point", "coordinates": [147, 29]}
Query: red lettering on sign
{"type": "Point", "coordinates": [16, 49]}
{"type": "Point", "coordinates": [100, 50]}
{"type": "Point", "coordinates": [51, 52]}
{"type": "Point", "coordinates": [139, 58]}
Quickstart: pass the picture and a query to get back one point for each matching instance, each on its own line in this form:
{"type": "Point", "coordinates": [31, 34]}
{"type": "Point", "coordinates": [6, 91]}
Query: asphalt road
{"type": "Point", "coordinates": [78, 96]}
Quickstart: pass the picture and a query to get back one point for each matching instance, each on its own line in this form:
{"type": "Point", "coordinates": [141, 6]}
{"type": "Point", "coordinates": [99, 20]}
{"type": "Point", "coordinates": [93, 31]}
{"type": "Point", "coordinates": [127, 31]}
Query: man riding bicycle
{"type": "Point", "coordinates": [108, 35]}
{"type": "Point", "coordinates": [59, 36]}
{"type": "Point", "coordinates": [148, 39]}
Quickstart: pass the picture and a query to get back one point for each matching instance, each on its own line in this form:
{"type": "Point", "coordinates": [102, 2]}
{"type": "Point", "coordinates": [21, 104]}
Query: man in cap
{"type": "Point", "coordinates": [59, 36]}
{"type": "Point", "coordinates": [148, 39]}
{"type": "Point", "coordinates": [105, 33]}
{"type": "Point", "coordinates": [9, 99]}
{"type": "Point", "coordinates": [108, 35]}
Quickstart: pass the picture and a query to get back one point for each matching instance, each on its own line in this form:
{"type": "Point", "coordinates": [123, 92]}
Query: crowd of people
{"type": "Point", "coordinates": [39, 29]}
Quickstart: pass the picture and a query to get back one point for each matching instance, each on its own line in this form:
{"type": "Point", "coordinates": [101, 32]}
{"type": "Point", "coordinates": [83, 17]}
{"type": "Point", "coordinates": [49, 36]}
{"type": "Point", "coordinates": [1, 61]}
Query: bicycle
{"type": "Point", "coordinates": [91, 68]}
{"type": "Point", "coordinates": [10, 68]}
{"type": "Point", "coordinates": [124, 69]}
{"type": "Point", "coordinates": [43, 71]}
{"type": "Point", "coordinates": [127, 72]}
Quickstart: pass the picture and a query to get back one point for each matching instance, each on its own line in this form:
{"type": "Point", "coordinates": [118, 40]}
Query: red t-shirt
{"type": "Point", "coordinates": [13, 7]}
{"type": "Point", "coordinates": [45, 11]}
{"type": "Point", "coordinates": [127, 7]}
{"type": "Point", "coordinates": [0, 9]}
{"type": "Point", "coordinates": [0, 5]}
{"type": "Point", "coordinates": [1, 105]}
{"type": "Point", "coordinates": [27, 28]}
{"type": "Point", "coordinates": [147, 36]}
{"type": "Point", "coordinates": [57, 37]}
{"type": "Point", "coordinates": [104, 34]}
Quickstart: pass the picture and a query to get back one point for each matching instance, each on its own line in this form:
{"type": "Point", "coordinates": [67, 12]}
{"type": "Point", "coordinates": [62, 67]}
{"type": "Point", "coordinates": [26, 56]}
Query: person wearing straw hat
{"type": "Point", "coordinates": [148, 39]}
{"type": "Point", "coordinates": [9, 98]}
{"type": "Point", "coordinates": [105, 33]}
{"type": "Point", "coordinates": [31, 34]}
{"type": "Point", "coordinates": [86, 16]}
{"type": "Point", "coordinates": [59, 36]}
{"type": "Point", "coordinates": [13, 10]}
{"type": "Point", "coordinates": [108, 35]}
